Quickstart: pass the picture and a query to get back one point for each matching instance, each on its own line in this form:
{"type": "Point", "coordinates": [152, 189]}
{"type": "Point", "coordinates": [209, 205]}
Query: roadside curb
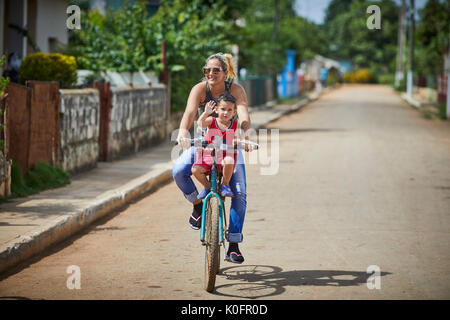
{"type": "Point", "coordinates": [296, 107]}
{"type": "Point", "coordinates": [405, 97]}
{"type": "Point", "coordinates": [24, 247]}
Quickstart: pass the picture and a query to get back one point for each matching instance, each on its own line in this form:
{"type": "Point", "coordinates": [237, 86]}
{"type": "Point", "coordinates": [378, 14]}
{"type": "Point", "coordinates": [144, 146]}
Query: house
{"type": "Point", "coordinates": [27, 26]}
{"type": "Point", "coordinates": [32, 25]}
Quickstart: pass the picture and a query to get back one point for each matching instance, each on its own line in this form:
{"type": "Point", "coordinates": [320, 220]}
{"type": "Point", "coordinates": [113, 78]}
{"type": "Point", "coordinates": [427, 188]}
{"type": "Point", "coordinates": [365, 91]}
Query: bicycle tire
{"type": "Point", "coordinates": [212, 250]}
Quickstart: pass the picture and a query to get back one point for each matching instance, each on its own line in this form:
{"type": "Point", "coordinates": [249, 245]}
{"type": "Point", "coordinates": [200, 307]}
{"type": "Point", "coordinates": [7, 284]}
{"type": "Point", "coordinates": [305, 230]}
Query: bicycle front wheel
{"type": "Point", "coordinates": [212, 252]}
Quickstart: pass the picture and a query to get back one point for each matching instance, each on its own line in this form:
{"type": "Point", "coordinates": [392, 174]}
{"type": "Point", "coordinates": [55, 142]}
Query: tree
{"type": "Point", "coordinates": [350, 39]}
{"type": "Point", "coordinates": [261, 53]}
{"type": "Point", "coordinates": [193, 31]}
{"type": "Point", "coordinates": [432, 37]}
{"type": "Point", "coordinates": [118, 41]}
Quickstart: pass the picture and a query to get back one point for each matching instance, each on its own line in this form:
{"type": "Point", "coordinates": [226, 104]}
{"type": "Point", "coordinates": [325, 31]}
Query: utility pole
{"type": "Point", "coordinates": [447, 70]}
{"type": "Point", "coordinates": [275, 23]}
{"type": "Point", "coordinates": [411, 50]}
{"type": "Point", "coordinates": [401, 43]}
{"type": "Point", "coordinates": [275, 40]}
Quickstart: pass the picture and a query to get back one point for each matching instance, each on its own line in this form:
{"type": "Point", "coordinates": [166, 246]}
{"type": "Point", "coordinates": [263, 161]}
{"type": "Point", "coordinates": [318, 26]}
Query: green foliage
{"type": "Point", "coordinates": [332, 77]}
{"type": "Point", "coordinates": [387, 78]}
{"type": "Point", "coordinates": [192, 31]}
{"type": "Point", "coordinates": [129, 40]}
{"type": "Point", "coordinates": [263, 48]}
{"type": "Point", "coordinates": [18, 185]}
{"type": "Point", "coordinates": [122, 40]}
{"type": "Point", "coordinates": [435, 112]}
{"type": "Point", "coordinates": [3, 80]}
{"type": "Point", "coordinates": [442, 111]}
{"type": "Point", "coordinates": [358, 76]}
{"type": "Point", "coordinates": [3, 83]}
{"type": "Point", "coordinates": [41, 177]}
{"type": "Point", "coordinates": [432, 37]}
{"type": "Point", "coordinates": [49, 67]}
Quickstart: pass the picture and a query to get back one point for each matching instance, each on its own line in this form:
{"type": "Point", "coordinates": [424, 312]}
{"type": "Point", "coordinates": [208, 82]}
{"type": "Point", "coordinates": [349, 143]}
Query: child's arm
{"type": "Point", "coordinates": [205, 120]}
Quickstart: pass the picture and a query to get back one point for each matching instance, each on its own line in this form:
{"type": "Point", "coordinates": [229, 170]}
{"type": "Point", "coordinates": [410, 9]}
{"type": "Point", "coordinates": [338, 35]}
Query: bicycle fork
{"type": "Point", "coordinates": [213, 193]}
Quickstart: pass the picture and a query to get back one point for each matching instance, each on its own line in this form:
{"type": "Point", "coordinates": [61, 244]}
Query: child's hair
{"type": "Point", "coordinates": [227, 97]}
{"type": "Point", "coordinates": [226, 60]}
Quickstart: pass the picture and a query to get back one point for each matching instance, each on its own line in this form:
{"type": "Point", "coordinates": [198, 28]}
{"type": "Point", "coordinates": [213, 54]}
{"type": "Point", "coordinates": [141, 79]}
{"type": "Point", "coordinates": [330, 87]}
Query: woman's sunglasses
{"type": "Point", "coordinates": [215, 70]}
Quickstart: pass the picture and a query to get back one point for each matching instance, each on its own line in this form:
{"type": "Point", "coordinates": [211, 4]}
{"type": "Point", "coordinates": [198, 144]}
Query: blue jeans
{"type": "Point", "coordinates": [181, 173]}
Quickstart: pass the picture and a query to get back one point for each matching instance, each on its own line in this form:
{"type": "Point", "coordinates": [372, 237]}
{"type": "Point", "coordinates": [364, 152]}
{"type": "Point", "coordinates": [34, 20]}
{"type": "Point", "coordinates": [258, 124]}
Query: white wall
{"type": "Point", "coordinates": [51, 22]}
{"type": "Point", "coordinates": [99, 5]}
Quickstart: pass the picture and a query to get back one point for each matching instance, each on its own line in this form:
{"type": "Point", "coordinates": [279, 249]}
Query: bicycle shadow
{"type": "Point", "coordinates": [258, 281]}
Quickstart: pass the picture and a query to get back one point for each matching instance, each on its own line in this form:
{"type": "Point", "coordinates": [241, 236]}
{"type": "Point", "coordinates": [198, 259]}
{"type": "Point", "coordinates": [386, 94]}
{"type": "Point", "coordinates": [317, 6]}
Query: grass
{"type": "Point", "coordinates": [435, 112]}
{"type": "Point", "coordinates": [289, 100]}
{"type": "Point", "coordinates": [42, 177]}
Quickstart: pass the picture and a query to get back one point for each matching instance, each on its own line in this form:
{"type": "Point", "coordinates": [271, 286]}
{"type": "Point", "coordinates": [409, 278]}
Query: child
{"type": "Point", "coordinates": [225, 127]}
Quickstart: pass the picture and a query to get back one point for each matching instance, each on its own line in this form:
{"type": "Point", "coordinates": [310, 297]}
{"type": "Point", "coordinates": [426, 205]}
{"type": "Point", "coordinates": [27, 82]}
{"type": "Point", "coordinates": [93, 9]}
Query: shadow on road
{"type": "Point", "coordinates": [297, 130]}
{"type": "Point", "coordinates": [255, 281]}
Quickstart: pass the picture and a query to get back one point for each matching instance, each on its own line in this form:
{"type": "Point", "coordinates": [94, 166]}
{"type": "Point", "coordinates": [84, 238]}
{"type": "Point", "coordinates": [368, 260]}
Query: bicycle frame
{"type": "Point", "coordinates": [213, 193]}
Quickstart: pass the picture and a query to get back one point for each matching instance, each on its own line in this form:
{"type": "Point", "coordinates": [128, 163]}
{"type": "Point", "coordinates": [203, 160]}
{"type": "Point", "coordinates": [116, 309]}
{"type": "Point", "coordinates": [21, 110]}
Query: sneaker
{"type": "Point", "coordinates": [226, 191]}
{"type": "Point", "coordinates": [204, 193]}
{"type": "Point", "coordinates": [195, 220]}
{"type": "Point", "coordinates": [233, 254]}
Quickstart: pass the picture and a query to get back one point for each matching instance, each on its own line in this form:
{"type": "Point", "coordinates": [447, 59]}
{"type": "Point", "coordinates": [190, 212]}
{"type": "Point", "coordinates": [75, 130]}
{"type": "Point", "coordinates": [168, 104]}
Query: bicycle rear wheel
{"type": "Point", "coordinates": [212, 252]}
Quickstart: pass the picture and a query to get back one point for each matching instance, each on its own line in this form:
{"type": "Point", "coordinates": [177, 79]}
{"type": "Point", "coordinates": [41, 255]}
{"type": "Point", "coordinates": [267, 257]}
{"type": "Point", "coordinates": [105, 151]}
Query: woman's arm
{"type": "Point", "coordinates": [192, 104]}
{"type": "Point", "coordinates": [242, 109]}
{"type": "Point", "coordinates": [204, 121]}
{"type": "Point", "coordinates": [190, 112]}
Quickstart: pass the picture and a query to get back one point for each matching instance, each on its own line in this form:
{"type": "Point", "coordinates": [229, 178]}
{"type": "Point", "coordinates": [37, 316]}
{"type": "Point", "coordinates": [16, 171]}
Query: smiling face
{"type": "Point", "coordinates": [212, 77]}
{"type": "Point", "coordinates": [226, 110]}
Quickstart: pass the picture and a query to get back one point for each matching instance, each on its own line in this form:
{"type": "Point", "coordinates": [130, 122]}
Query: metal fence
{"type": "Point", "coordinates": [259, 90]}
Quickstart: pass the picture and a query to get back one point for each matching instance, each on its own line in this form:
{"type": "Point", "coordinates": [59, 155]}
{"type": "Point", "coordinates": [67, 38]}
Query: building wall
{"type": "Point", "coordinates": [80, 112]}
{"type": "Point", "coordinates": [139, 118]}
{"type": "Point", "coordinates": [51, 22]}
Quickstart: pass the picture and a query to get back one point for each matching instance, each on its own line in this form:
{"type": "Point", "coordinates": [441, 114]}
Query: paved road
{"type": "Point", "coordinates": [363, 180]}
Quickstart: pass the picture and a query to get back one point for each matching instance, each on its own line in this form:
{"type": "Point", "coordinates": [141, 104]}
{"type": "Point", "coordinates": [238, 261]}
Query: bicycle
{"type": "Point", "coordinates": [213, 230]}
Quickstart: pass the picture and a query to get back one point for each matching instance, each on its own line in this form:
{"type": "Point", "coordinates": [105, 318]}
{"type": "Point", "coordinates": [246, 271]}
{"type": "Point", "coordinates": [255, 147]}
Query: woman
{"type": "Point", "coordinates": [219, 74]}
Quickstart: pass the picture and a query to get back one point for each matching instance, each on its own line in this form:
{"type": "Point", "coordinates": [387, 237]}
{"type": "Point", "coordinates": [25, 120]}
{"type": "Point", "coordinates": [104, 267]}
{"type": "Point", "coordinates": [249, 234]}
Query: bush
{"type": "Point", "coordinates": [332, 77]}
{"type": "Point", "coordinates": [358, 76]}
{"type": "Point", "coordinates": [3, 83]}
{"type": "Point", "coordinates": [49, 67]}
{"type": "Point", "coordinates": [387, 78]}
{"type": "Point", "coordinates": [43, 176]}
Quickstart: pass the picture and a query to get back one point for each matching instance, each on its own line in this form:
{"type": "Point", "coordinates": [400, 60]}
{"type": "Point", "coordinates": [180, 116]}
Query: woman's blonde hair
{"type": "Point", "coordinates": [226, 60]}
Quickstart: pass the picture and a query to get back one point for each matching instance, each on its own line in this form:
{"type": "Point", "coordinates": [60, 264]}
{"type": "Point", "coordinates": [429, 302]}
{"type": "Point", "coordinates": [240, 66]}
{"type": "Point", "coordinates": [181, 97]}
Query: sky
{"type": "Point", "coordinates": [315, 9]}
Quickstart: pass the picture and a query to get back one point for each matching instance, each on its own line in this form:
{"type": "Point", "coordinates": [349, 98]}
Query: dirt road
{"type": "Point", "coordinates": [363, 182]}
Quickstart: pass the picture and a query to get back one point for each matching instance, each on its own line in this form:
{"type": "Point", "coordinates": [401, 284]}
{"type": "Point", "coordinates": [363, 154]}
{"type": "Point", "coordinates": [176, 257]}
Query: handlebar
{"type": "Point", "coordinates": [240, 145]}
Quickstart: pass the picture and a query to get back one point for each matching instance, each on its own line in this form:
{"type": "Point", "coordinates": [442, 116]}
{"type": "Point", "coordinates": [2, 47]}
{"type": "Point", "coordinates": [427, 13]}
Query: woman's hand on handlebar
{"type": "Point", "coordinates": [247, 144]}
{"type": "Point", "coordinates": [184, 142]}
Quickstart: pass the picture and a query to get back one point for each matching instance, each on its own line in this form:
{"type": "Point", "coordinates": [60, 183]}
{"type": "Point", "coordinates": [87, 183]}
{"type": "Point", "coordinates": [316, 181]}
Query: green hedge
{"type": "Point", "coordinates": [43, 176]}
{"type": "Point", "coordinates": [49, 67]}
